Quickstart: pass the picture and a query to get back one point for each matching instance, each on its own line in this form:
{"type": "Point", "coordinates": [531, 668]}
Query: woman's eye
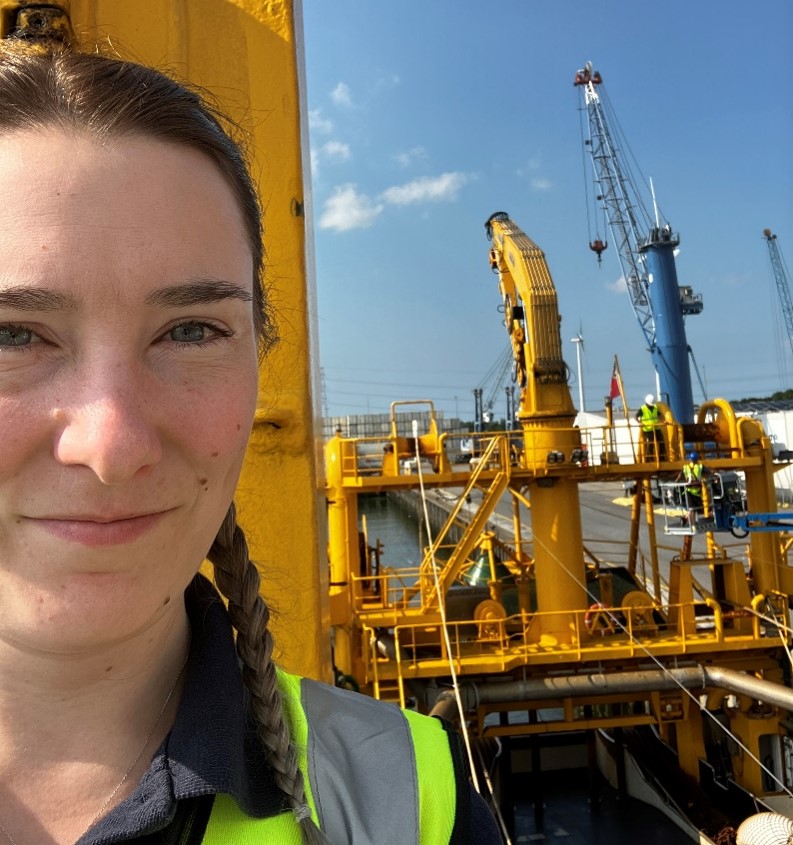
{"type": "Point", "coordinates": [196, 333]}
{"type": "Point", "coordinates": [15, 336]}
{"type": "Point", "coordinates": [189, 333]}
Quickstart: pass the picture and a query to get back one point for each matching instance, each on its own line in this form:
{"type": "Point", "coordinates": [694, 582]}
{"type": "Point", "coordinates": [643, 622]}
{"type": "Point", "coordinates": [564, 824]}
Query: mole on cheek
{"type": "Point", "coordinates": [215, 454]}
{"type": "Point", "coordinates": [202, 481]}
{"type": "Point", "coordinates": [167, 601]}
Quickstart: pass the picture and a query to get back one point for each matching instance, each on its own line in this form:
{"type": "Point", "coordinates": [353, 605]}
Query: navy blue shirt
{"type": "Point", "coordinates": [212, 747]}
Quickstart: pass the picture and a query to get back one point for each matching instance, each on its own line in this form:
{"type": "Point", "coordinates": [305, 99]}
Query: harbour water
{"type": "Point", "coordinates": [397, 530]}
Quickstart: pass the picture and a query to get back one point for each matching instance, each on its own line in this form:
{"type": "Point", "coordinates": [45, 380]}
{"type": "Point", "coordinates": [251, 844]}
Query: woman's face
{"type": "Point", "coordinates": [127, 381]}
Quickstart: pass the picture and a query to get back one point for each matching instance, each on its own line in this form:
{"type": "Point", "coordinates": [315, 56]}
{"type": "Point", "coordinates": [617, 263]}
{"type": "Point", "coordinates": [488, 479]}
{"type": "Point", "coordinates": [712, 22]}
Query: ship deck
{"type": "Point", "coordinates": [568, 816]}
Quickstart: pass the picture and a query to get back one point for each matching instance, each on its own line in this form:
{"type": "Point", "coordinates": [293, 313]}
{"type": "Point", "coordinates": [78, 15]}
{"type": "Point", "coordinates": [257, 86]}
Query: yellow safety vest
{"type": "Point", "coordinates": [373, 774]}
{"type": "Point", "coordinates": [650, 417]}
{"type": "Point", "coordinates": [693, 473]}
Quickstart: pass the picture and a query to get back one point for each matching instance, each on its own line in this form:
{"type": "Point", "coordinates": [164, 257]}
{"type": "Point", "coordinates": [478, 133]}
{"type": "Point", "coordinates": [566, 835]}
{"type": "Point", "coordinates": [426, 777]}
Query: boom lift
{"type": "Point", "coordinates": [646, 248]}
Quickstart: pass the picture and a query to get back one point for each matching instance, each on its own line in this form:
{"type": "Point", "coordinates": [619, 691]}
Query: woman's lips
{"type": "Point", "coordinates": [99, 532]}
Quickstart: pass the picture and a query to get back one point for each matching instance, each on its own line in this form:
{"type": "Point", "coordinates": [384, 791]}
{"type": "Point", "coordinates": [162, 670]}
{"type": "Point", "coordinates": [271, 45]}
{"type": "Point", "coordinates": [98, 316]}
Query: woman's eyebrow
{"type": "Point", "coordinates": [197, 292]}
{"type": "Point", "coordinates": [35, 299]}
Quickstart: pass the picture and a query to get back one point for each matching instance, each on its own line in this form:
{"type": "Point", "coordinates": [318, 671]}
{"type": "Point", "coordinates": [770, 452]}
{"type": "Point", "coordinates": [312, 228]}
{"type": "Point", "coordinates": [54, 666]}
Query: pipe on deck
{"type": "Point", "coordinates": [576, 686]}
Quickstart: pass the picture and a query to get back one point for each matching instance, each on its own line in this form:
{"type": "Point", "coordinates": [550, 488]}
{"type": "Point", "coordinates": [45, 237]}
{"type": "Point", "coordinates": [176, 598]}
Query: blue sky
{"type": "Point", "coordinates": [426, 117]}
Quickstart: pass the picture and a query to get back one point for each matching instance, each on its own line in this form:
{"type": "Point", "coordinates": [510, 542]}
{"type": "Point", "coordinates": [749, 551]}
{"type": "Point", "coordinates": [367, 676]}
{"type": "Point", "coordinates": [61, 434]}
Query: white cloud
{"type": "Point", "coordinates": [314, 163]}
{"type": "Point", "coordinates": [385, 82]}
{"type": "Point", "coordinates": [618, 286]}
{"type": "Point", "coordinates": [529, 171]}
{"type": "Point", "coordinates": [426, 189]}
{"type": "Point", "coordinates": [337, 150]}
{"type": "Point", "coordinates": [408, 157]}
{"type": "Point", "coordinates": [532, 165]}
{"type": "Point", "coordinates": [341, 95]}
{"type": "Point", "coordinates": [347, 209]}
{"type": "Point", "coordinates": [318, 123]}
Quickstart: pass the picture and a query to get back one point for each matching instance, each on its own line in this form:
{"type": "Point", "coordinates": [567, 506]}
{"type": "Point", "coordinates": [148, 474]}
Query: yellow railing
{"type": "Point", "coordinates": [500, 644]}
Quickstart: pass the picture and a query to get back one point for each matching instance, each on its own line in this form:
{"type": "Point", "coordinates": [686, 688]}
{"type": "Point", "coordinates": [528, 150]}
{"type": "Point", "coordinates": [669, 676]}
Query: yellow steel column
{"type": "Point", "coordinates": [343, 533]}
{"type": "Point", "coordinates": [249, 54]}
{"type": "Point", "coordinates": [648, 499]}
{"type": "Point", "coordinates": [559, 567]}
{"type": "Point", "coordinates": [749, 727]}
{"type": "Point", "coordinates": [690, 743]}
{"type": "Point", "coordinates": [636, 512]}
{"type": "Point", "coordinates": [768, 573]}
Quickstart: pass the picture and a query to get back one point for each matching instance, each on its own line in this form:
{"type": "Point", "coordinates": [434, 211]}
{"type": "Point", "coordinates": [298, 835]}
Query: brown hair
{"type": "Point", "coordinates": [110, 98]}
{"type": "Point", "coordinates": [51, 86]}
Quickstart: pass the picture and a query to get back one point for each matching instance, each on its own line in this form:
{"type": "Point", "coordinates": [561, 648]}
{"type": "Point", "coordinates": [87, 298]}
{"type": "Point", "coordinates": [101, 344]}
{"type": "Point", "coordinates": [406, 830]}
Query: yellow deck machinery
{"type": "Point", "coordinates": [688, 640]}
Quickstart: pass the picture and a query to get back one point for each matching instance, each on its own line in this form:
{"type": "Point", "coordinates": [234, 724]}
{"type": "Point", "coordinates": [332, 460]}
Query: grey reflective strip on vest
{"type": "Point", "coordinates": [362, 768]}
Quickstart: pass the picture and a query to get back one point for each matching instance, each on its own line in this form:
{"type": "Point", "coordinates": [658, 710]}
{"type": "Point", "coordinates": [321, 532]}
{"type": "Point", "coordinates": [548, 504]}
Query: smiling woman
{"type": "Point", "coordinates": [132, 319]}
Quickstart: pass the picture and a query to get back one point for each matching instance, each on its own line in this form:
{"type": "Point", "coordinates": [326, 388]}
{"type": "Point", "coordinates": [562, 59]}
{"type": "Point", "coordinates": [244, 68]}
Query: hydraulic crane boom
{"type": "Point", "coordinates": [531, 316]}
{"type": "Point", "coordinates": [646, 249]}
{"type": "Point", "coordinates": [781, 278]}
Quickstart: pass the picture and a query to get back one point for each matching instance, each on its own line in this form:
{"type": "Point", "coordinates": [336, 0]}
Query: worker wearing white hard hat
{"type": "Point", "coordinates": [649, 417]}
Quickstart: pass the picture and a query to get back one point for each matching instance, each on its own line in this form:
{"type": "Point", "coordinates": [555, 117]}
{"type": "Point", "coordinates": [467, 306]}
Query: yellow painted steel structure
{"type": "Point", "coordinates": [248, 55]}
{"type": "Point", "coordinates": [559, 613]}
{"type": "Point", "coordinates": [546, 414]}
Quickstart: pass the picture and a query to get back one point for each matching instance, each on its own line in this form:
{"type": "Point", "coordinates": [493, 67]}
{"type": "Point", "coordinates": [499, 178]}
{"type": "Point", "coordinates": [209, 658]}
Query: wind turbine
{"type": "Point", "coordinates": [578, 340]}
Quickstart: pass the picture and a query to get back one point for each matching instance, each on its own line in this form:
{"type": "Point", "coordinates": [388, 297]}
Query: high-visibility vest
{"type": "Point", "coordinates": [650, 417]}
{"type": "Point", "coordinates": [693, 475]}
{"type": "Point", "coordinates": [373, 773]}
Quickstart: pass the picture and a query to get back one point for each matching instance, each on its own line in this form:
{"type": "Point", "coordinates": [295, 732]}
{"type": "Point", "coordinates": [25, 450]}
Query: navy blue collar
{"type": "Point", "coordinates": [212, 746]}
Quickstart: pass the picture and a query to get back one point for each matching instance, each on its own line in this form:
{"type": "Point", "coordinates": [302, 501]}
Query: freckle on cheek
{"type": "Point", "coordinates": [167, 601]}
{"type": "Point", "coordinates": [215, 454]}
{"type": "Point", "coordinates": [108, 669]}
{"type": "Point", "coordinates": [239, 427]}
{"type": "Point", "coordinates": [202, 481]}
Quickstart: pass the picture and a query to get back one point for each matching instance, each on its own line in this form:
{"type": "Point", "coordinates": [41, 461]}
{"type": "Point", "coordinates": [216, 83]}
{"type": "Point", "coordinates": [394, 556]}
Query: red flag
{"type": "Point", "coordinates": [616, 388]}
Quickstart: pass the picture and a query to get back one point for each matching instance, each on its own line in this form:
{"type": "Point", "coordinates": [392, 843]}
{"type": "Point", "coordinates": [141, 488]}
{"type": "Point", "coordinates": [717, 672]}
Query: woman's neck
{"type": "Point", "coordinates": [77, 733]}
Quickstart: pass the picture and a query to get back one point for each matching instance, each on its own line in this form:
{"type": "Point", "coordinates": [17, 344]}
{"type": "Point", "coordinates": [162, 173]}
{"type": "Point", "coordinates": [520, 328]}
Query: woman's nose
{"type": "Point", "coordinates": [110, 431]}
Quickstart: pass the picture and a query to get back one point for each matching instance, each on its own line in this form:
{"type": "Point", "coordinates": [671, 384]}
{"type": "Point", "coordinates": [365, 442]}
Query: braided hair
{"type": "Point", "coordinates": [51, 85]}
{"type": "Point", "coordinates": [238, 579]}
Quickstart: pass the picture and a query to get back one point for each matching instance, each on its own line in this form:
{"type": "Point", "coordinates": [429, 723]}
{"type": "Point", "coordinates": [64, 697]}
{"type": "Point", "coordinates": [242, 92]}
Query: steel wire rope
{"type": "Point", "coordinates": [488, 780]}
{"type": "Point", "coordinates": [581, 110]}
{"type": "Point", "coordinates": [590, 201]}
{"type": "Point", "coordinates": [497, 369]}
{"type": "Point", "coordinates": [771, 620]}
{"type": "Point", "coordinates": [615, 621]}
{"type": "Point", "coordinates": [781, 629]}
{"type": "Point", "coordinates": [629, 160]}
{"type": "Point", "coordinates": [442, 608]}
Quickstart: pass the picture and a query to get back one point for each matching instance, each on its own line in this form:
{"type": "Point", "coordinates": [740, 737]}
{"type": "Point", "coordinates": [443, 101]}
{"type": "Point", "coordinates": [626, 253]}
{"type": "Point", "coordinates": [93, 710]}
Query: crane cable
{"type": "Point", "coordinates": [448, 644]}
{"type": "Point", "coordinates": [630, 163]}
{"type": "Point", "coordinates": [581, 110]}
{"type": "Point", "coordinates": [590, 202]}
{"type": "Point", "coordinates": [442, 609]}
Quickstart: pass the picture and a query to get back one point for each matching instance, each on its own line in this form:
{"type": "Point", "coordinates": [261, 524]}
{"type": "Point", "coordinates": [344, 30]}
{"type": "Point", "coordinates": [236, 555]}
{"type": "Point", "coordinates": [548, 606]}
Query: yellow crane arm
{"type": "Point", "coordinates": [531, 316]}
